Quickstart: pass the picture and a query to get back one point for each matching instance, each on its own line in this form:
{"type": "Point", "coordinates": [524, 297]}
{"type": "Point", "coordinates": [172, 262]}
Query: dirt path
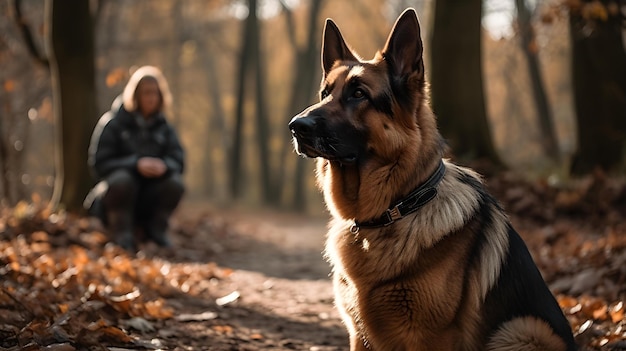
{"type": "Point", "coordinates": [279, 283]}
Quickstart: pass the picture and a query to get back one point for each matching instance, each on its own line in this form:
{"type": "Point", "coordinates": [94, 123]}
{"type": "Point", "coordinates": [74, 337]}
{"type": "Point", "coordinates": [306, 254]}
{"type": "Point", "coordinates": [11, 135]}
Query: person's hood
{"type": "Point", "coordinates": [128, 96]}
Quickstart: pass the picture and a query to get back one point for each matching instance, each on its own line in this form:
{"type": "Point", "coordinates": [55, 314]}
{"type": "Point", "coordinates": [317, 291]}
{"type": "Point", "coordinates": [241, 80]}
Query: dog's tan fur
{"type": "Point", "coordinates": [413, 285]}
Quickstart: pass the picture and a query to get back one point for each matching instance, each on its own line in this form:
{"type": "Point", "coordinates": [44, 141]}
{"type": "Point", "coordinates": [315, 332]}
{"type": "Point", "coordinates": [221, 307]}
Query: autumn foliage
{"type": "Point", "coordinates": [65, 288]}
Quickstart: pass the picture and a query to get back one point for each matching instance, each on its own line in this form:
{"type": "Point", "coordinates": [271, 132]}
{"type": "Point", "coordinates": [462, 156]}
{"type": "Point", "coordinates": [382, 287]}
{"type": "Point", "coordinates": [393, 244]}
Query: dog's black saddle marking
{"type": "Point", "coordinates": [411, 203]}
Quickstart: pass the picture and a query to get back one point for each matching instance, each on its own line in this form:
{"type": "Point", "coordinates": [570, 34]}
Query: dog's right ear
{"type": "Point", "coordinates": [334, 48]}
{"type": "Point", "coordinates": [404, 48]}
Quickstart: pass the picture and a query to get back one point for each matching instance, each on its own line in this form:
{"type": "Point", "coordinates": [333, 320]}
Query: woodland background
{"type": "Point", "coordinates": [531, 93]}
{"type": "Point", "coordinates": [238, 79]}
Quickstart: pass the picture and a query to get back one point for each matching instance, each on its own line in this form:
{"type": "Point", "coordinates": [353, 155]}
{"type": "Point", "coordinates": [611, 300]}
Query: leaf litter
{"type": "Point", "coordinates": [63, 287]}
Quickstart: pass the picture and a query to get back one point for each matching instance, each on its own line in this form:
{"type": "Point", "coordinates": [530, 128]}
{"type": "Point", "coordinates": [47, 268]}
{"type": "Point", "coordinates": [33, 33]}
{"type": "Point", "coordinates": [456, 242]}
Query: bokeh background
{"type": "Point", "coordinates": [239, 75]}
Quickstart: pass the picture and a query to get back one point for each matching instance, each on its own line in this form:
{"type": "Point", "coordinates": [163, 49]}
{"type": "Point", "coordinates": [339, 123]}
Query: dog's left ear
{"type": "Point", "coordinates": [334, 48]}
{"type": "Point", "coordinates": [404, 49]}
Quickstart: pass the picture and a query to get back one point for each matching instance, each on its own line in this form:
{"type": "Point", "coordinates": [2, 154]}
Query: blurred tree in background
{"type": "Point", "coordinates": [599, 80]}
{"type": "Point", "coordinates": [24, 103]}
{"type": "Point", "coordinates": [528, 44]}
{"type": "Point", "coordinates": [303, 90]}
{"type": "Point", "coordinates": [457, 80]}
{"type": "Point", "coordinates": [72, 64]}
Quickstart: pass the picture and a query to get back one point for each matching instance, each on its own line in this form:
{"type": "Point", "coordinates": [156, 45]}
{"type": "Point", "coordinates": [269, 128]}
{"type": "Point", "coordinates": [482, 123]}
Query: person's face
{"type": "Point", "coordinates": [148, 97]}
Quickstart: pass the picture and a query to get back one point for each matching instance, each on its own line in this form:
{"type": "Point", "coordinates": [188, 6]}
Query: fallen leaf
{"type": "Point", "coordinates": [226, 329]}
{"type": "Point", "coordinates": [230, 298]}
{"type": "Point", "coordinates": [198, 317]}
{"type": "Point", "coordinates": [139, 324]}
{"type": "Point", "coordinates": [59, 347]}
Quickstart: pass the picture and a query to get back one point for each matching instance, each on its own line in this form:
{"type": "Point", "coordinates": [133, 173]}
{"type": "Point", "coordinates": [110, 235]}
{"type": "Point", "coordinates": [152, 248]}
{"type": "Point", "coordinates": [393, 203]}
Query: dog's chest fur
{"type": "Point", "coordinates": [411, 296]}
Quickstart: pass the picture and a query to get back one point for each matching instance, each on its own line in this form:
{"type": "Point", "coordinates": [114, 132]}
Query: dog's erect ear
{"type": "Point", "coordinates": [334, 47]}
{"type": "Point", "coordinates": [403, 49]}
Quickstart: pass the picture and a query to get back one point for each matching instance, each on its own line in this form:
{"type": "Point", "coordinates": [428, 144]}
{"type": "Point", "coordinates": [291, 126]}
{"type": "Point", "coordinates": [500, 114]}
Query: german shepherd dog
{"type": "Point", "coordinates": [423, 257]}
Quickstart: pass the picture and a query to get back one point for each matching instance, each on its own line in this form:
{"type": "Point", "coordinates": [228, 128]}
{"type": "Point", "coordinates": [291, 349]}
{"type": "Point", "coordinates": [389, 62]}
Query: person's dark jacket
{"type": "Point", "coordinates": [121, 138]}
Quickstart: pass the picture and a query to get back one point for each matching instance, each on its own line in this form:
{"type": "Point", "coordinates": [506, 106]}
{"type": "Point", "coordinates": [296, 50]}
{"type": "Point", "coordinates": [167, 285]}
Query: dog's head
{"type": "Point", "coordinates": [372, 132]}
{"type": "Point", "coordinates": [366, 108]}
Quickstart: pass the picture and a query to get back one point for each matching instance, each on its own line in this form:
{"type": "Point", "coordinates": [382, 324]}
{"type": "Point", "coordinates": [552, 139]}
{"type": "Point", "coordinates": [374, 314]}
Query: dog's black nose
{"type": "Point", "coordinates": [302, 125]}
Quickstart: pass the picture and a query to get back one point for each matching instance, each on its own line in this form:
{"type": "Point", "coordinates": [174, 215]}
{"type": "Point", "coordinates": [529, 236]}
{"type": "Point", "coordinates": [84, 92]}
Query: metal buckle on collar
{"type": "Point", "coordinates": [393, 214]}
{"type": "Point", "coordinates": [354, 228]}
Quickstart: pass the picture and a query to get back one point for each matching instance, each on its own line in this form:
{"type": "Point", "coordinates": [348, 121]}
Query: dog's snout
{"type": "Point", "coordinates": [303, 125]}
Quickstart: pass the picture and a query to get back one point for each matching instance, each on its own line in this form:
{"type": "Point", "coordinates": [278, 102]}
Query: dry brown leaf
{"type": "Point", "coordinates": [257, 336]}
{"type": "Point", "coordinates": [59, 347]}
{"type": "Point", "coordinates": [115, 334]}
{"type": "Point", "coordinates": [617, 312]}
{"type": "Point", "coordinates": [157, 309]}
{"type": "Point", "coordinates": [196, 317]}
{"type": "Point", "coordinates": [226, 329]}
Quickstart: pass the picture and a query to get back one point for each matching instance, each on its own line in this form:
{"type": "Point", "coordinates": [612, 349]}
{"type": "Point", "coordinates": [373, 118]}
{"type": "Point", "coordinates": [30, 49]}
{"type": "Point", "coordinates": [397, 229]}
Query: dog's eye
{"type": "Point", "coordinates": [324, 94]}
{"type": "Point", "coordinates": [358, 93]}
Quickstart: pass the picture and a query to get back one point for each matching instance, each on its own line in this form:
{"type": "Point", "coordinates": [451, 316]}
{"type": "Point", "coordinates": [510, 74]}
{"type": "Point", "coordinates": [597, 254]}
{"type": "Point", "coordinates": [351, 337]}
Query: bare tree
{"type": "Point", "coordinates": [19, 102]}
{"type": "Point", "coordinates": [71, 38]}
{"type": "Point", "coordinates": [251, 61]}
{"type": "Point", "coordinates": [456, 79]}
{"type": "Point", "coordinates": [599, 79]}
{"type": "Point", "coordinates": [4, 155]}
{"type": "Point", "coordinates": [178, 37]}
{"type": "Point", "coordinates": [260, 113]}
{"type": "Point", "coordinates": [528, 44]}
{"type": "Point", "coordinates": [216, 130]}
{"type": "Point", "coordinates": [245, 65]}
{"type": "Point", "coordinates": [303, 87]}
{"type": "Point", "coordinates": [27, 34]}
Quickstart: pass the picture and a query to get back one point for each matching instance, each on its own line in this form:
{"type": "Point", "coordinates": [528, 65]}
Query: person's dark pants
{"type": "Point", "coordinates": [133, 201]}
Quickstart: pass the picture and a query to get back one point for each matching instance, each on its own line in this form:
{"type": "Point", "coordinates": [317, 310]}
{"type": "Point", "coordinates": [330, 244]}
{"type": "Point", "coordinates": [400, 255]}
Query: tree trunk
{"type": "Point", "coordinates": [4, 164]}
{"type": "Point", "coordinates": [74, 97]}
{"type": "Point", "coordinates": [175, 70]}
{"type": "Point", "coordinates": [27, 34]}
{"type": "Point", "coordinates": [303, 86]}
{"type": "Point", "coordinates": [457, 88]}
{"type": "Point", "coordinates": [262, 129]}
{"type": "Point", "coordinates": [217, 136]}
{"type": "Point", "coordinates": [245, 64]}
{"type": "Point", "coordinates": [599, 80]}
{"type": "Point", "coordinates": [549, 141]}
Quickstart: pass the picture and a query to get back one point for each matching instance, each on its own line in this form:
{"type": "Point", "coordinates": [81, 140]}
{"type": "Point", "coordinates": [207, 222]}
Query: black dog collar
{"type": "Point", "coordinates": [411, 203]}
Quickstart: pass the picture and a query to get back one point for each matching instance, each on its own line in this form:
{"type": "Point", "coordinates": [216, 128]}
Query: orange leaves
{"type": "Point", "coordinates": [597, 324]}
{"type": "Point", "coordinates": [223, 329]}
{"type": "Point", "coordinates": [63, 287]}
{"type": "Point", "coordinates": [157, 309]}
{"type": "Point", "coordinates": [616, 311]}
{"type": "Point", "coordinates": [595, 10]}
{"type": "Point", "coordinates": [589, 10]}
{"type": "Point", "coordinates": [107, 331]}
{"type": "Point", "coordinates": [577, 236]}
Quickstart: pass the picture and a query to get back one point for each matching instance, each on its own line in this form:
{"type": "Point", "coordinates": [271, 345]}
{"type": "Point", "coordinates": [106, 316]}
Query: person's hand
{"type": "Point", "coordinates": [151, 167]}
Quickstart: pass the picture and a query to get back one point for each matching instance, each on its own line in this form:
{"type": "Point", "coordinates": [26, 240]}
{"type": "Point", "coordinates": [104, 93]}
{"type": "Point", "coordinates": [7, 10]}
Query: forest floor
{"type": "Point", "coordinates": [256, 279]}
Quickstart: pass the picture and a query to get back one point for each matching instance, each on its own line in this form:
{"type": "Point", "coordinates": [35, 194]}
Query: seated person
{"type": "Point", "coordinates": [138, 162]}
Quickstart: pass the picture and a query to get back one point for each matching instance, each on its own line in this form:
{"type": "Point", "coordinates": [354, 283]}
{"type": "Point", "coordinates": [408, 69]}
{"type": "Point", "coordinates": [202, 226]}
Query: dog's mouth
{"type": "Point", "coordinates": [313, 138]}
{"type": "Point", "coordinates": [323, 147]}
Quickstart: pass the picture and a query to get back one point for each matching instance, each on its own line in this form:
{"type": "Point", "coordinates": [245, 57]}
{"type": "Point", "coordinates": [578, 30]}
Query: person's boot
{"type": "Point", "coordinates": [120, 225]}
{"type": "Point", "coordinates": [156, 229]}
